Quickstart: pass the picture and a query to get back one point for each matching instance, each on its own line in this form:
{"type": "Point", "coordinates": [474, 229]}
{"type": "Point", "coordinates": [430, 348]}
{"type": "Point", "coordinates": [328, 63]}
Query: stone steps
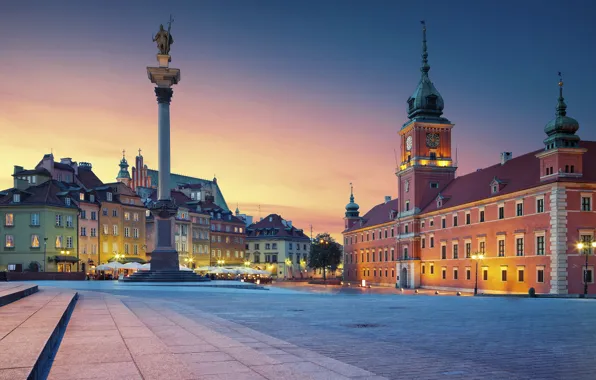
{"type": "Point", "coordinates": [30, 332]}
{"type": "Point", "coordinates": [164, 276]}
{"type": "Point", "coordinates": [10, 292]}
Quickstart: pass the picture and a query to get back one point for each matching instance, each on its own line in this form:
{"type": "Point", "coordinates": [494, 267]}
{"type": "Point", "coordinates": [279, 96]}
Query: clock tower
{"type": "Point", "coordinates": [426, 164]}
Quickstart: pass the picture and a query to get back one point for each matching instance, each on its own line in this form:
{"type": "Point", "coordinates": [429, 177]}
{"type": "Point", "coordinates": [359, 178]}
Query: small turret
{"type": "Point", "coordinates": [123, 174]}
{"type": "Point", "coordinates": [352, 213]}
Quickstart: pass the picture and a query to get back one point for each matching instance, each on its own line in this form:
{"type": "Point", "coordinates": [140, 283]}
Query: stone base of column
{"type": "Point", "coordinates": [164, 260]}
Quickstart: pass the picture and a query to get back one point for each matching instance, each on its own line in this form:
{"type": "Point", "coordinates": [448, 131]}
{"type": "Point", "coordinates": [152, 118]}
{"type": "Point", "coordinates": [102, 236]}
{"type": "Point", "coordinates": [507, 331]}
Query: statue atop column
{"type": "Point", "coordinates": [164, 38]}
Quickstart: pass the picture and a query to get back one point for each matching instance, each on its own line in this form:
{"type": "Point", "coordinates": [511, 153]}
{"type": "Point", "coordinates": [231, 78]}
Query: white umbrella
{"type": "Point", "coordinates": [110, 266]}
{"type": "Point", "coordinates": [145, 266]}
{"type": "Point", "coordinates": [204, 269]}
{"type": "Point", "coordinates": [132, 265]}
{"type": "Point", "coordinates": [185, 268]}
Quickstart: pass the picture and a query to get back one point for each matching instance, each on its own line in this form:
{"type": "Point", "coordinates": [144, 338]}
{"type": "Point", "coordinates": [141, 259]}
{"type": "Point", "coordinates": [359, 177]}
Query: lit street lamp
{"type": "Point", "coordinates": [580, 248]}
{"type": "Point", "coordinates": [221, 262]}
{"type": "Point", "coordinates": [247, 263]}
{"type": "Point", "coordinates": [477, 258]}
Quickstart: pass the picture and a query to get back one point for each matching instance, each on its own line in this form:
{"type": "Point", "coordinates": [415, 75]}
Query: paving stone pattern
{"type": "Point", "coordinates": [132, 338]}
{"type": "Point", "coordinates": [416, 337]}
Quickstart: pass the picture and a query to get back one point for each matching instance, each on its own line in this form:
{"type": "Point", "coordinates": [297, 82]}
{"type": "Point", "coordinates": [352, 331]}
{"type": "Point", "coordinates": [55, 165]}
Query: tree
{"type": "Point", "coordinates": [324, 252]}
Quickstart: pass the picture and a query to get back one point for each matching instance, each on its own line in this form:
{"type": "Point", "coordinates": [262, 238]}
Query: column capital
{"type": "Point", "coordinates": [164, 94]}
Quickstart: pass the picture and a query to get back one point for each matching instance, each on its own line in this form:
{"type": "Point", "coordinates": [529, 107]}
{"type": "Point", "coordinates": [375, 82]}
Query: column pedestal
{"type": "Point", "coordinates": [164, 257]}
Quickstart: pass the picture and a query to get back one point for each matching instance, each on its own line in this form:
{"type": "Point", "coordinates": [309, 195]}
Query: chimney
{"type": "Point", "coordinates": [20, 184]}
{"type": "Point", "coordinates": [506, 156]}
{"type": "Point", "coordinates": [387, 198]}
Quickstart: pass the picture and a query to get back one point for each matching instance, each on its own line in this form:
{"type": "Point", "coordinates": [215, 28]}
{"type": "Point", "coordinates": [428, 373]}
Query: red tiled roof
{"type": "Point", "coordinates": [274, 222]}
{"type": "Point", "coordinates": [43, 194]}
{"type": "Point", "coordinates": [88, 178]}
{"type": "Point", "coordinates": [517, 174]}
{"type": "Point", "coordinates": [379, 214]}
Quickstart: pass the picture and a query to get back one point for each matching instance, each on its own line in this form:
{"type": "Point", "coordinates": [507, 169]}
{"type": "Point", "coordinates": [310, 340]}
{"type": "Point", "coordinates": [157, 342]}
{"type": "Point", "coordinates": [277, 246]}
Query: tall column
{"type": "Point", "coordinates": [164, 257]}
{"type": "Point", "coordinates": [164, 97]}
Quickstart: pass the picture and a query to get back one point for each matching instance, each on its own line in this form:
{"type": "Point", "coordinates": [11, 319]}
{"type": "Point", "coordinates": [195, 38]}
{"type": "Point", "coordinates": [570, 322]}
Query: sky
{"type": "Point", "coordinates": [287, 102]}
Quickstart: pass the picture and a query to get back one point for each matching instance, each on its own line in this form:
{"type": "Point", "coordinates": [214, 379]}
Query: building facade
{"type": "Point", "coordinates": [191, 233]}
{"type": "Point", "coordinates": [518, 221]}
{"type": "Point", "coordinates": [275, 245]}
{"type": "Point", "coordinates": [39, 228]}
{"type": "Point", "coordinates": [122, 224]}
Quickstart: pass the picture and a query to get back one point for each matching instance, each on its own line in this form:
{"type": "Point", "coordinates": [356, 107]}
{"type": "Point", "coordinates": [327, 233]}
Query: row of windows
{"type": "Point", "coordinates": [227, 240]}
{"type": "Point", "coordinates": [33, 219]}
{"type": "Point", "coordinates": [116, 249]}
{"type": "Point", "coordinates": [373, 235]}
{"type": "Point", "coordinates": [501, 252]}
{"type": "Point", "coordinates": [9, 241]}
{"type": "Point", "coordinates": [218, 253]}
{"type": "Point", "coordinates": [380, 271]}
{"type": "Point", "coordinates": [127, 215]}
{"type": "Point", "coordinates": [371, 256]}
{"type": "Point", "coordinates": [198, 248]}
{"type": "Point", "coordinates": [484, 277]}
{"type": "Point", "coordinates": [274, 246]}
{"type": "Point", "coordinates": [93, 215]}
{"type": "Point", "coordinates": [217, 227]}
{"type": "Point", "coordinates": [115, 231]}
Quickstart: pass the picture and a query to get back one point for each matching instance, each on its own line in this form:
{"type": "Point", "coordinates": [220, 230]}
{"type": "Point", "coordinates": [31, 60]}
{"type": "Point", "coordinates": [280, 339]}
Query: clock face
{"type": "Point", "coordinates": [432, 140]}
{"type": "Point", "coordinates": [409, 143]}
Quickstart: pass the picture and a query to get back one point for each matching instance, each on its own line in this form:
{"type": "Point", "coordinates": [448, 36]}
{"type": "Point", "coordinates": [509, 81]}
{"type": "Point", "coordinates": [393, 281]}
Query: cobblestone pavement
{"type": "Point", "coordinates": [410, 336]}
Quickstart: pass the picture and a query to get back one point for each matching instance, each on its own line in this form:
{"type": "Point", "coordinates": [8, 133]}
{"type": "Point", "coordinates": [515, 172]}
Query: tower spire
{"type": "Point", "coordinates": [561, 106]}
{"type": "Point", "coordinates": [351, 192]}
{"type": "Point", "coordinates": [425, 66]}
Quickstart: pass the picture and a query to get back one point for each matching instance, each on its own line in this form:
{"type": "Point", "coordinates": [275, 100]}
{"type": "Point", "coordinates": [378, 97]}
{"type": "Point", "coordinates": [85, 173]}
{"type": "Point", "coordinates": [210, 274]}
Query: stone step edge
{"type": "Point", "coordinates": [12, 297]}
{"type": "Point", "coordinates": [42, 366]}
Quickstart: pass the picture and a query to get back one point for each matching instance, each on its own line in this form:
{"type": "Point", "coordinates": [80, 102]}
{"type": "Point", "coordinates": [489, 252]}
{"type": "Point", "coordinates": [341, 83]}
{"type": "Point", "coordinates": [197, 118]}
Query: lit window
{"type": "Point", "coordinates": [58, 241]}
{"type": "Point", "coordinates": [127, 216]}
{"type": "Point", "coordinates": [82, 196]}
{"type": "Point", "coordinates": [9, 241]}
{"type": "Point", "coordinates": [9, 220]}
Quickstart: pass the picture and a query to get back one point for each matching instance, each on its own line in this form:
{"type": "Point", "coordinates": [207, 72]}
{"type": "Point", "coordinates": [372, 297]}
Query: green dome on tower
{"type": "Point", "coordinates": [352, 207]}
{"type": "Point", "coordinates": [123, 168]}
{"type": "Point", "coordinates": [426, 102]}
{"type": "Point", "coordinates": [561, 130]}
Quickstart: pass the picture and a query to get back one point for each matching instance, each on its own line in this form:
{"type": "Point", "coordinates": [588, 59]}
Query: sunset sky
{"type": "Point", "coordinates": [287, 102]}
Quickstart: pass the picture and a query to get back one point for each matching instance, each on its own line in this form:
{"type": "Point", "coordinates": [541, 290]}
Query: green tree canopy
{"type": "Point", "coordinates": [325, 253]}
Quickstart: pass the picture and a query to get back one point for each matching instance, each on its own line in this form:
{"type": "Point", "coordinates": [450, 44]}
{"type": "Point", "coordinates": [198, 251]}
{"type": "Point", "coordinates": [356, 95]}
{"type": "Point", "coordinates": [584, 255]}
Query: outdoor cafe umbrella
{"type": "Point", "coordinates": [132, 265]}
{"type": "Point", "coordinates": [110, 266]}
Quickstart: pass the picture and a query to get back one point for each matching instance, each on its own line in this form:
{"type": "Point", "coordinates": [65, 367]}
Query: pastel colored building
{"type": "Point", "coordinates": [275, 245]}
{"type": "Point", "coordinates": [191, 234]}
{"type": "Point", "coordinates": [121, 224]}
{"type": "Point", "coordinates": [66, 236]}
{"type": "Point", "coordinates": [520, 218]}
{"type": "Point", "coordinates": [39, 228]}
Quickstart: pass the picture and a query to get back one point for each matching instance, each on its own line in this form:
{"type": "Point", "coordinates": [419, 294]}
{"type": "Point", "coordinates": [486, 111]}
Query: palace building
{"type": "Point", "coordinates": [515, 225]}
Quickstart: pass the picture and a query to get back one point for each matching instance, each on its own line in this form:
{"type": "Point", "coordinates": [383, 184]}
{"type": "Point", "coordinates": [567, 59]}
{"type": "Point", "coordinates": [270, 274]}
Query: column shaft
{"type": "Point", "coordinates": [163, 191]}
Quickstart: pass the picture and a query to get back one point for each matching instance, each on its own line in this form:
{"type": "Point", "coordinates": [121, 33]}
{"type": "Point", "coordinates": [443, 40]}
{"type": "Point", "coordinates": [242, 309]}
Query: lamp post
{"type": "Point", "coordinates": [221, 262]}
{"type": "Point", "coordinates": [324, 246]}
{"type": "Point", "coordinates": [580, 247]}
{"type": "Point", "coordinates": [45, 260]}
{"type": "Point", "coordinates": [247, 263]}
{"type": "Point", "coordinates": [189, 261]}
{"type": "Point", "coordinates": [477, 258]}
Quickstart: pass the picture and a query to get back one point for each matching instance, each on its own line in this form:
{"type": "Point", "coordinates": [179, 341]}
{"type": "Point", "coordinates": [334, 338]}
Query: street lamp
{"type": "Point", "coordinates": [45, 260]}
{"type": "Point", "coordinates": [477, 258]}
{"type": "Point", "coordinates": [580, 247]}
{"type": "Point", "coordinates": [247, 263]}
{"type": "Point", "coordinates": [221, 262]}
